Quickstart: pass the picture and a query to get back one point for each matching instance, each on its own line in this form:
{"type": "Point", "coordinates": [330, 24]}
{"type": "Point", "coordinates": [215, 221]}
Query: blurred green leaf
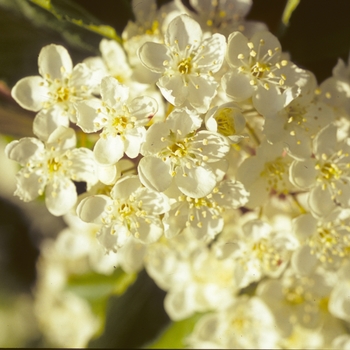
{"type": "Point", "coordinates": [175, 334]}
{"type": "Point", "coordinates": [288, 10]}
{"type": "Point", "coordinates": [93, 286]}
{"type": "Point", "coordinates": [69, 11]}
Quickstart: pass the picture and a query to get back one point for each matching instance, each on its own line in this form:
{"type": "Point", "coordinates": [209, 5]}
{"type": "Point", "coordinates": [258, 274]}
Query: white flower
{"type": "Point", "coordinates": [298, 123]}
{"type": "Point", "coordinates": [131, 209]}
{"type": "Point", "coordinates": [258, 71]}
{"type": "Point", "coordinates": [246, 324]}
{"type": "Point", "coordinates": [223, 16]}
{"type": "Point", "coordinates": [323, 241]}
{"type": "Point", "coordinates": [186, 62]}
{"type": "Point", "coordinates": [326, 174]}
{"type": "Point", "coordinates": [123, 122]}
{"type": "Point", "coordinates": [195, 279]}
{"type": "Point", "coordinates": [297, 301]}
{"type": "Point", "coordinates": [58, 87]}
{"type": "Point", "coordinates": [227, 120]}
{"type": "Point", "coordinates": [258, 250]}
{"type": "Point", "coordinates": [50, 167]}
{"type": "Point", "coordinates": [335, 91]}
{"type": "Point", "coordinates": [175, 150]}
{"type": "Point", "coordinates": [203, 216]}
{"type": "Point", "coordinates": [339, 302]}
{"type": "Point", "coordinates": [265, 173]}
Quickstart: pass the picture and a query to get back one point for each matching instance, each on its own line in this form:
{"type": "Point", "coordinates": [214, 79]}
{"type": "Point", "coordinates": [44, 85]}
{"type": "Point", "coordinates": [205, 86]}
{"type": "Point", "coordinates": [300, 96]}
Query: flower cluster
{"type": "Point", "coordinates": [210, 159]}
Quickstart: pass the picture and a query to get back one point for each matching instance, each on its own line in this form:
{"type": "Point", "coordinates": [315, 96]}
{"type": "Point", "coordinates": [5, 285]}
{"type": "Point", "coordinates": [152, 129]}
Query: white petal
{"type": "Point", "coordinates": [154, 173]}
{"type": "Point", "coordinates": [62, 138]}
{"type": "Point", "coordinates": [173, 89]}
{"type": "Point", "coordinates": [174, 223]}
{"type": "Point", "coordinates": [153, 55]}
{"type": "Point", "coordinates": [24, 149]}
{"type": "Point", "coordinates": [326, 141]}
{"type": "Point", "coordinates": [192, 183]}
{"type": "Point", "coordinates": [149, 233]}
{"type": "Point", "coordinates": [28, 188]}
{"type": "Point", "coordinates": [133, 142]}
{"type": "Point", "coordinates": [153, 202]}
{"type": "Point", "coordinates": [320, 201]}
{"type": "Point", "coordinates": [125, 187]}
{"type": "Point", "coordinates": [268, 102]}
{"type": "Point", "coordinates": [46, 121]}
{"type": "Point", "coordinates": [30, 93]}
{"type": "Point", "coordinates": [177, 305]}
{"type": "Point", "coordinates": [237, 45]}
{"type": "Point", "coordinates": [237, 86]}
{"type": "Point", "coordinates": [60, 196]}
{"type": "Point", "coordinates": [82, 76]}
{"type": "Point", "coordinates": [183, 31]}
{"type": "Point", "coordinates": [54, 61]}
{"type": "Point", "coordinates": [303, 173]}
{"type": "Point", "coordinates": [304, 226]}
{"type": "Point", "coordinates": [270, 42]}
{"type": "Point", "coordinates": [88, 117]}
{"type": "Point", "coordinates": [143, 107]}
{"type": "Point", "coordinates": [107, 174]}
{"type": "Point", "coordinates": [91, 208]}
{"type": "Point", "coordinates": [212, 54]}
{"type": "Point", "coordinates": [303, 262]}
{"type": "Point", "coordinates": [113, 93]}
{"type": "Point", "coordinates": [109, 150]}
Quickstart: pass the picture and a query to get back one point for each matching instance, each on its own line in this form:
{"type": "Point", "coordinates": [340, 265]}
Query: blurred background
{"type": "Point", "coordinates": [317, 35]}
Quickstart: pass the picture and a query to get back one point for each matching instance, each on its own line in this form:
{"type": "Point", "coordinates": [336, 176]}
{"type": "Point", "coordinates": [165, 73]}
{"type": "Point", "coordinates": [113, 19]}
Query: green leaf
{"type": "Point", "coordinates": [66, 10]}
{"type": "Point", "coordinates": [175, 335]}
{"type": "Point", "coordinates": [288, 10]}
{"type": "Point", "coordinates": [93, 286]}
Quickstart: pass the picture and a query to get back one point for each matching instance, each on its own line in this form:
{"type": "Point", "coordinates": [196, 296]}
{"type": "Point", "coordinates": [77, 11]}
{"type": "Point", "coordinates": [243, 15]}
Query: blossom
{"type": "Point", "coordinates": [298, 123]}
{"type": "Point", "coordinates": [59, 86]}
{"type": "Point", "coordinates": [130, 209]}
{"type": "Point", "coordinates": [297, 301]}
{"type": "Point", "coordinates": [325, 174]}
{"type": "Point", "coordinates": [195, 280]}
{"type": "Point", "coordinates": [177, 151]}
{"type": "Point", "coordinates": [223, 16]}
{"type": "Point", "coordinates": [227, 120]}
{"type": "Point", "coordinates": [259, 71]}
{"type": "Point", "coordinates": [247, 323]}
{"type": "Point", "coordinates": [322, 241]}
{"type": "Point", "coordinates": [186, 62]}
{"type": "Point", "coordinates": [265, 173]}
{"type": "Point", "coordinates": [123, 122]}
{"type": "Point", "coordinates": [203, 216]}
{"type": "Point", "coordinates": [50, 167]}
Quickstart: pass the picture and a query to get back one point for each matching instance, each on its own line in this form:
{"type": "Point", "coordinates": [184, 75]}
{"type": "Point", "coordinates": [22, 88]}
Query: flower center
{"type": "Point", "coordinates": [275, 172]}
{"type": "Point", "coordinates": [225, 121]}
{"type": "Point", "coordinates": [330, 171]}
{"type": "Point", "coordinates": [185, 66]}
{"type": "Point", "coordinates": [53, 165]}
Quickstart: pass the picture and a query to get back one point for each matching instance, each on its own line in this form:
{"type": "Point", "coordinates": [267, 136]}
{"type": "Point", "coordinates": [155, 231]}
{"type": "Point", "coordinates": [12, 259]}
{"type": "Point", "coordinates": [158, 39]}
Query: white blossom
{"type": "Point", "coordinates": [122, 121]}
{"type": "Point", "coordinates": [178, 152]}
{"type": "Point", "coordinates": [130, 209]}
{"type": "Point", "coordinates": [58, 88]}
{"type": "Point", "coordinates": [186, 63]}
{"type": "Point", "coordinates": [203, 216]}
{"type": "Point", "coordinates": [50, 167]}
{"type": "Point", "coordinates": [326, 174]}
{"type": "Point", "coordinates": [259, 71]}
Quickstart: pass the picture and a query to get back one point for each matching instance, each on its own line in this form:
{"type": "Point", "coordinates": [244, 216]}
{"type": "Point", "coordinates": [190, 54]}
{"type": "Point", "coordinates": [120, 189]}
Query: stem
{"type": "Point", "coordinates": [253, 134]}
